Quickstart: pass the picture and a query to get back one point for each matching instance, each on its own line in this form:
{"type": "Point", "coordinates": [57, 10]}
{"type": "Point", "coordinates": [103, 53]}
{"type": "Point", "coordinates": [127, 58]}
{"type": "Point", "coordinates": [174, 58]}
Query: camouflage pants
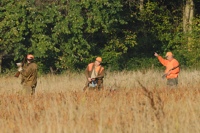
{"type": "Point", "coordinates": [28, 90]}
{"type": "Point", "coordinates": [172, 82]}
{"type": "Point", "coordinates": [98, 87]}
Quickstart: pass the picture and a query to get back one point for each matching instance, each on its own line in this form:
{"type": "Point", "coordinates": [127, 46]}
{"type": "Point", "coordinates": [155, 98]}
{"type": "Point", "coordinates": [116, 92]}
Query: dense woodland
{"type": "Point", "coordinates": [68, 34]}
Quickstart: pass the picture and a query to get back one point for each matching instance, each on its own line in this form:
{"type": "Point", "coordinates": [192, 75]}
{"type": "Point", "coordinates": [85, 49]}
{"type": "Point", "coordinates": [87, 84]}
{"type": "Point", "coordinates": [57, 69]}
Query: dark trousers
{"type": "Point", "coordinates": [28, 90]}
{"type": "Point", "coordinates": [172, 82]}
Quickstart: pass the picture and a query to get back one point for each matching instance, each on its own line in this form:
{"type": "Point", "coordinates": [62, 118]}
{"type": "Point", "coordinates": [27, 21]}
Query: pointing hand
{"type": "Point", "coordinates": [155, 54]}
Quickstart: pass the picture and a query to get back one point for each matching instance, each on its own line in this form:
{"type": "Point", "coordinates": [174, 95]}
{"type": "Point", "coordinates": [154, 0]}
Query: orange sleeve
{"type": "Point", "coordinates": [175, 64]}
{"type": "Point", "coordinates": [162, 61]}
{"type": "Point", "coordinates": [101, 73]}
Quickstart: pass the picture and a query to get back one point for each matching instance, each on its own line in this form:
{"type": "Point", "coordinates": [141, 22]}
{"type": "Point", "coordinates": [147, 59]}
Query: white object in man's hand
{"type": "Point", "coordinates": [20, 69]}
{"type": "Point", "coordinates": [19, 64]}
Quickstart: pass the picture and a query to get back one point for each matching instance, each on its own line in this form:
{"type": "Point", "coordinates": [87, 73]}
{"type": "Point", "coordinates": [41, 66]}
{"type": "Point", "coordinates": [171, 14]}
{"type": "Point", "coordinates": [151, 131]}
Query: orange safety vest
{"type": "Point", "coordinates": [169, 65]}
{"type": "Point", "coordinates": [98, 69]}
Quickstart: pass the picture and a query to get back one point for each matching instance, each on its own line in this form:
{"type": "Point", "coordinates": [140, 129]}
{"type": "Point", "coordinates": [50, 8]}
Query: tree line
{"type": "Point", "coordinates": [68, 34]}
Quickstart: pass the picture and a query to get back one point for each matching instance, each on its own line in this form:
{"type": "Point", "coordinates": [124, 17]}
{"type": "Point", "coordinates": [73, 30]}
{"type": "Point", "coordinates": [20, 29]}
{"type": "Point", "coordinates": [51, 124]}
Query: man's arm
{"type": "Point", "coordinates": [101, 73]}
{"type": "Point", "coordinates": [27, 71]}
{"type": "Point", "coordinates": [162, 61]}
{"type": "Point", "coordinates": [87, 72]}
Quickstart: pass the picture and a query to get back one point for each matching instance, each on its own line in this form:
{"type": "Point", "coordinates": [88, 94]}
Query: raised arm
{"type": "Point", "coordinates": [162, 61]}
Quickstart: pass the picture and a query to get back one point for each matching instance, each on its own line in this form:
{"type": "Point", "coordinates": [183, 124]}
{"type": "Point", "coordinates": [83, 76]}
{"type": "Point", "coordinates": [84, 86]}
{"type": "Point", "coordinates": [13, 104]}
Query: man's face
{"type": "Point", "coordinates": [169, 57]}
{"type": "Point", "coordinates": [28, 60]}
{"type": "Point", "coordinates": [97, 63]}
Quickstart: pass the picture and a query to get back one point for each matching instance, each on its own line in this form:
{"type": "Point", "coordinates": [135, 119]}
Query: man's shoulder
{"type": "Point", "coordinates": [102, 67]}
{"type": "Point", "coordinates": [33, 65]}
{"type": "Point", "coordinates": [90, 64]}
{"type": "Point", "coordinates": [175, 60]}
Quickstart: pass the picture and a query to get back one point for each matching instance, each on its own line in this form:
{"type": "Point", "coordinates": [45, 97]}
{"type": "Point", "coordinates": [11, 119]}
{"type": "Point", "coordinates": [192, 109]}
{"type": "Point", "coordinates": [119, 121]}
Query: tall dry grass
{"type": "Point", "coordinates": [132, 102]}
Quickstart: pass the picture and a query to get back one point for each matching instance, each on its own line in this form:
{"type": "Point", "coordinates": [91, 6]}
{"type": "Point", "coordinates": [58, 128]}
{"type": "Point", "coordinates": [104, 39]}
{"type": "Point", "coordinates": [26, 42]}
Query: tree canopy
{"type": "Point", "coordinates": [68, 34]}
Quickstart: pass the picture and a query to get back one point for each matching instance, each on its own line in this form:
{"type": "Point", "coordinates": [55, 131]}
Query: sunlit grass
{"type": "Point", "coordinates": [60, 105]}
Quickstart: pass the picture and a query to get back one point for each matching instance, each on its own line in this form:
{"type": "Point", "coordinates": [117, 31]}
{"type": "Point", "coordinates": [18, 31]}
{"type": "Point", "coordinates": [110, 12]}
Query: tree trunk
{"type": "Point", "coordinates": [2, 54]}
{"type": "Point", "coordinates": [1, 57]}
{"type": "Point", "coordinates": [141, 5]}
{"type": "Point", "coordinates": [191, 15]}
{"type": "Point", "coordinates": [188, 15]}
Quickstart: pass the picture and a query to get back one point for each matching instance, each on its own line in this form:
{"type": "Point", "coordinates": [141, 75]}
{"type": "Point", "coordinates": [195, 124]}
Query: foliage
{"type": "Point", "coordinates": [69, 34]}
{"type": "Point", "coordinates": [189, 48]}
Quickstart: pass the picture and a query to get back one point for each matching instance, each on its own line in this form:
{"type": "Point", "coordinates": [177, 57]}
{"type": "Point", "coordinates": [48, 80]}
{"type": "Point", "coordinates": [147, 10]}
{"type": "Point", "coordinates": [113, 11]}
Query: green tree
{"type": "Point", "coordinates": [13, 28]}
{"type": "Point", "coordinates": [69, 34]}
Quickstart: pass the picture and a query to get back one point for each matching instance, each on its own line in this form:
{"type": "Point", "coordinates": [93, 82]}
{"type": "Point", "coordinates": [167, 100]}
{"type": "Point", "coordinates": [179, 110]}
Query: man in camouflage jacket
{"type": "Point", "coordinates": [29, 75]}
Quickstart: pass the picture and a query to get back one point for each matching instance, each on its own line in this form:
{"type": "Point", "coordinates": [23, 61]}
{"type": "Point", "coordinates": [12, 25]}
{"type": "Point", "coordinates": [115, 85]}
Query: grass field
{"type": "Point", "coordinates": [125, 106]}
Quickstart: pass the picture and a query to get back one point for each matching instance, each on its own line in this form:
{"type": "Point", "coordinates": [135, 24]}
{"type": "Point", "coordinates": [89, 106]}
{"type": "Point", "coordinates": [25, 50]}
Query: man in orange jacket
{"type": "Point", "coordinates": [172, 68]}
{"type": "Point", "coordinates": [94, 74]}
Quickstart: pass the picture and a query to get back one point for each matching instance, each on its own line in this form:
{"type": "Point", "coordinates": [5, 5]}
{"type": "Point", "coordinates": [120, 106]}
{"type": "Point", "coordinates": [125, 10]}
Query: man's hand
{"type": "Point", "coordinates": [89, 79]}
{"type": "Point", "coordinates": [155, 54]}
{"type": "Point", "coordinates": [19, 64]}
{"type": "Point", "coordinates": [166, 74]}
